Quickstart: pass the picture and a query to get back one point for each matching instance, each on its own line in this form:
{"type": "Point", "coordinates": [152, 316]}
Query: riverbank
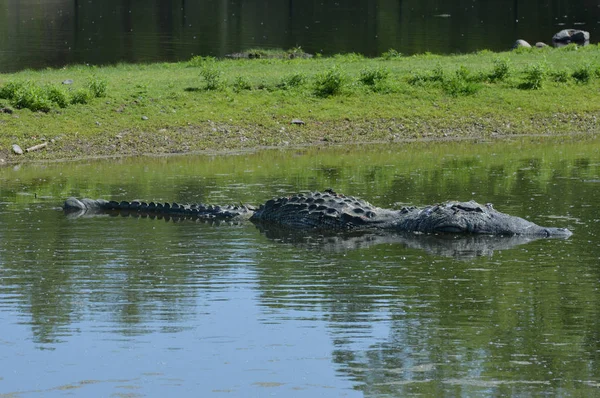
{"type": "Point", "coordinates": [223, 105]}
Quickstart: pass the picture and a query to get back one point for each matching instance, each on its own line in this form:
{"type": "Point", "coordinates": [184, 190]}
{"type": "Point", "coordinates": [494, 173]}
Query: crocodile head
{"type": "Point", "coordinates": [474, 218]}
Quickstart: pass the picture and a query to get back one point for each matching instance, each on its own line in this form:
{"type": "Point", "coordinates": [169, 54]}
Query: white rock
{"type": "Point", "coordinates": [17, 149]}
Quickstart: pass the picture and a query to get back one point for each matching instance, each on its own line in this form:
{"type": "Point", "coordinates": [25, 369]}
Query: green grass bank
{"type": "Point", "coordinates": [221, 105]}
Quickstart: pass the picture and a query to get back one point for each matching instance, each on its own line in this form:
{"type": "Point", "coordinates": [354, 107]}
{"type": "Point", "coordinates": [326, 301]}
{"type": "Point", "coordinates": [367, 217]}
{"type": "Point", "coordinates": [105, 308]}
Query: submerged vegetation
{"type": "Point", "coordinates": [207, 103]}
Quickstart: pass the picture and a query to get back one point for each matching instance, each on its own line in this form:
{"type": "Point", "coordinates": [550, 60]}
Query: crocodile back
{"type": "Point", "coordinates": [321, 210]}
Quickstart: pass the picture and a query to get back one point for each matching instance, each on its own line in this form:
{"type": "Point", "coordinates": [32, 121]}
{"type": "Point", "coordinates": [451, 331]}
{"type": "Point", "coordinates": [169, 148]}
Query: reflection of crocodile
{"type": "Point", "coordinates": [329, 211]}
{"type": "Point", "coordinates": [459, 246]}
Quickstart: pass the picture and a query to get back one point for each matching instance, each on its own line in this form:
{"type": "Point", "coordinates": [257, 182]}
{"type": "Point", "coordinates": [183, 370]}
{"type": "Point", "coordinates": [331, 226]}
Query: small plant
{"type": "Point", "coordinates": [349, 57]}
{"type": "Point", "coordinates": [201, 61]}
{"type": "Point", "coordinates": [417, 78]}
{"type": "Point", "coordinates": [523, 50]}
{"type": "Point", "coordinates": [240, 83]}
{"type": "Point", "coordinates": [559, 76]}
{"type": "Point", "coordinates": [81, 96]}
{"type": "Point", "coordinates": [212, 77]}
{"type": "Point", "coordinates": [295, 52]}
{"type": "Point", "coordinates": [500, 71]}
{"type": "Point", "coordinates": [372, 77]}
{"type": "Point", "coordinates": [292, 81]}
{"type": "Point", "coordinates": [463, 73]}
{"type": "Point", "coordinates": [534, 76]}
{"type": "Point", "coordinates": [97, 87]}
{"type": "Point", "coordinates": [437, 75]}
{"type": "Point", "coordinates": [391, 54]}
{"type": "Point", "coordinates": [31, 97]}
{"type": "Point", "coordinates": [582, 74]}
{"type": "Point", "coordinates": [457, 86]}
{"type": "Point", "coordinates": [427, 55]}
{"type": "Point", "coordinates": [57, 96]}
{"type": "Point", "coordinates": [568, 48]}
{"type": "Point", "coordinates": [9, 90]}
{"type": "Point", "coordinates": [329, 83]}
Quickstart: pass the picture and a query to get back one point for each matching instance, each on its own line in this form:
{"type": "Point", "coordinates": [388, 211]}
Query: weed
{"type": "Point", "coordinates": [437, 75]}
{"type": "Point", "coordinates": [31, 97]}
{"type": "Point", "coordinates": [241, 83]}
{"type": "Point", "coordinates": [459, 84]}
{"type": "Point", "coordinates": [295, 52]}
{"type": "Point", "coordinates": [464, 73]}
{"type": "Point", "coordinates": [559, 76]}
{"type": "Point", "coordinates": [262, 85]}
{"type": "Point", "coordinates": [371, 77]}
{"type": "Point", "coordinates": [97, 87]}
{"type": "Point", "coordinates": [427, 55]}
{"type": "Point", "coordinates": [57, 96]}
{"type": "Point", "coordinates": [523, 50]}
{"type": "Point", "coordinates": [391, 54]}
{"type": "Point", "coordinates": [9, 90]}
{"type": "Point", "coordinates": [420, 78]}
{"type": "Point", "coordinates": [500, 71]}
{"type": "Point", "coordinates": [582, 74]}
{"type": "Point", "coordinates": [534, 76]}
{"type": "Point", "coordinates": [201, 61]}
{"type": "Point", "coordinates": [212, 77]}
{"type": "Point", "coordinates": [349, 57]}
{"type": "Point", "coordinates": [329, 83]}
{"type": "Point", "coordinates": [417, 78]}
{"type": "Point", "coordinates": [292, 81]}
{"type": "Point", "coordinates": [81, 96]}
{"type": "Point", "coordinates": [568, 48]}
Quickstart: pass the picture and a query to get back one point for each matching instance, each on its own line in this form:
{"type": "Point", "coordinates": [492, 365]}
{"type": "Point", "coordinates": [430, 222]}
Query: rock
{"type": "Point", "coordinates": [520, 43]}
{"type": "Point", "coordinates": [567, 36]}
{"type": "Point", "coordinates": [540, 44]}
{"type": "Point", "coordinates": [297, 122]}
{"type": "Point", "coordinates": [17, 149]}
{"type": "Point", "coordinates": [68, 81]}
{"type": "Point", "coordinates": [144, 117]}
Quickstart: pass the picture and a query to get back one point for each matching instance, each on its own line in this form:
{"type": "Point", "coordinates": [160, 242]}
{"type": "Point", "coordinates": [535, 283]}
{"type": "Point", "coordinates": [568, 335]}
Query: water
{"type": "Point", "coordinates": [102, 306]}
{"type": "Point", "coordinates": [37, 34]}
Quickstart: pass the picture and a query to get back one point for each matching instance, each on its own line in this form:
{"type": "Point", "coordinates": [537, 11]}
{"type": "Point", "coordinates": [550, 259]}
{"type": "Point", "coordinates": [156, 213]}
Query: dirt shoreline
{"type": "Point", "coordinates": [226, 140]}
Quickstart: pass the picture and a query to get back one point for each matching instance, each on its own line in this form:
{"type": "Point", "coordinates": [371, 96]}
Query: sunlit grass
{"type": "Point", "coordinates": [219, 104]}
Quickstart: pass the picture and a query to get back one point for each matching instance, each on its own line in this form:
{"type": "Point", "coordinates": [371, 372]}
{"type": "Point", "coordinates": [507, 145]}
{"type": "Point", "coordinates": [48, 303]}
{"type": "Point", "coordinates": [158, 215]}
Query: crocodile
{"type": "Point", "coordinates": [331, 211]}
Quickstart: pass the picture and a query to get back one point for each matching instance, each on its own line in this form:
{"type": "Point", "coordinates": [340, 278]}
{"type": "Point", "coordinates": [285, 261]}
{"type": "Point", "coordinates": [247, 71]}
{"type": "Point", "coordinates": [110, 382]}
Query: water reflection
{"type": "Point", "coordinates": [58, 32]}
{"type": "Point", "coordinates": [113, 304]}
{"type": "Point", "coordinates": [451, 245]}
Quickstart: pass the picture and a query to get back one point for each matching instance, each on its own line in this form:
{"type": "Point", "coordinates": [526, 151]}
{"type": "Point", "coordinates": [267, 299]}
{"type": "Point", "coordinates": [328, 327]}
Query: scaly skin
{"type": "Point", "coordinates": [329, 211]}
{"type": "Point", "coordinates": [91, 206]}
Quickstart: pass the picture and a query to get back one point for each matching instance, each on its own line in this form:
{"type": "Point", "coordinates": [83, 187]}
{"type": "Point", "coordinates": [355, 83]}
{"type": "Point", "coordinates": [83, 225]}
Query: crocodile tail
{"type": "Point", "coordinates": [81, 207]}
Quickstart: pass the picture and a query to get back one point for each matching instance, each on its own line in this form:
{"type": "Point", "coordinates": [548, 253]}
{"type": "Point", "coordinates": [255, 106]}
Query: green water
{"type": "Point", "coordinates": [111, 306]}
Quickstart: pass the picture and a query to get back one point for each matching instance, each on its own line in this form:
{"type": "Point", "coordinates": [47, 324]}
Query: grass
{"type": "Point", "coordinates": [207, 103]}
